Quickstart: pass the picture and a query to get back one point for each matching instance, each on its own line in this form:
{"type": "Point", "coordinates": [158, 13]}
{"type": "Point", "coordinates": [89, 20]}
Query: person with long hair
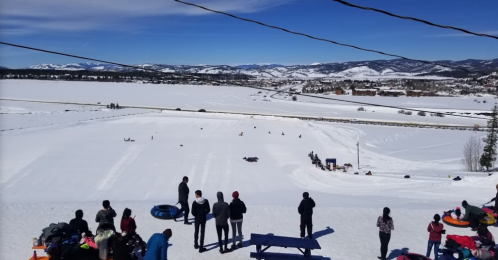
{"type": "Point", "coordinates": [385, 225]}
{"type": "Point", "coordinates": [128, 223]}
{"type": "Point", "coordinates": [435, 230]}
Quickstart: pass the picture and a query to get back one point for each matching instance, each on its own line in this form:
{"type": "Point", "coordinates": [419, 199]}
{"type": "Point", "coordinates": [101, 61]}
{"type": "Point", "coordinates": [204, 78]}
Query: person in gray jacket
{"type": "Point", "coordinates": [221, 212]}
{"type": "Point", "coordinates": [105, 217]}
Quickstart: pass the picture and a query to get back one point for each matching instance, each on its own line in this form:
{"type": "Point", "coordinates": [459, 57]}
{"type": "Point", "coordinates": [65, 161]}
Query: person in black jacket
{"type": "Point", "coordinates": [306, 211]}
{"type": "Point", "coordinates": [80, 224]}
{"type": "Point", "coordinates": [183, 192]}
{"type": "Point", "coordinates": [495, 199]}
{"type": "Point", "coordinates": [200, 208]}
{"type": "Point", "coordinates": [237, 208]}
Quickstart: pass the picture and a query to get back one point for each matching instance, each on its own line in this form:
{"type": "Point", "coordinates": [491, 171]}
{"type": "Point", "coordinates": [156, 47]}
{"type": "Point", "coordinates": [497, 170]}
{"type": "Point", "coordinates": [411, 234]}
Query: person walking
{"type": "Point", "coordinates": [157, 246]}
{"type": "Point", "coordinates": [105, 217]}
{"type": "Point", "coordinates": [221, 212]}
{"type": "Point", "coordinates": [128, 224]}
{"type": "Point", "coordinates": [385, 225]}
{"type": "Point", "coordinates": [80, 224]}
{"type": "Point", "coordinates": [435, 230]}
{"type": "Point", "coordinates": [472, 215]}
{"type": "Point", "coordinates": [237, 209]}
{"type": "Point", "coordinates": [305, 209]}
{"type": "Point", "coordinates": [183, 192]}
{"type": "Point", "coordinates": [200, 208]}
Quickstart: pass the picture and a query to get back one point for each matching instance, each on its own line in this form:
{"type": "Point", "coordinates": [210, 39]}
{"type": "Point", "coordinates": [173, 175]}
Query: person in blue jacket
{"type": "Point", "coordinates": [157, 246]}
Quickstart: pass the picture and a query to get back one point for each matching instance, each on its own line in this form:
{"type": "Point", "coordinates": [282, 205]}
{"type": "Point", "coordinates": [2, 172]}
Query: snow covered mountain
{"type": "Point", "coordinates": [353, 69]}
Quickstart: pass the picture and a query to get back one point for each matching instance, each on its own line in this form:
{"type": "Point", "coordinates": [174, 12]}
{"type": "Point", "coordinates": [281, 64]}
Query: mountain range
{"type": "Point", "coordinates": [396, 68]}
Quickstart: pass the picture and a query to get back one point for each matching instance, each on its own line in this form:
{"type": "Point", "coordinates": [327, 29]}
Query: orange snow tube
{"type": "Point", "coordinates": [455, 222]}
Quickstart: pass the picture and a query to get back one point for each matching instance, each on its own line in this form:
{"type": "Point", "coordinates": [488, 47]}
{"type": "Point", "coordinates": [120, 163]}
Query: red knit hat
{"type": "Point", "coordinates": [235, 194]}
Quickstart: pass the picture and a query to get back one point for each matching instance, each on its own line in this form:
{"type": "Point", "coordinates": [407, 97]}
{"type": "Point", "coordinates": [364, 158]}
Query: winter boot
{"type": "Point", "coordinates": [196, 246]}
{"type": "Point", "coordinates": [202, 249]}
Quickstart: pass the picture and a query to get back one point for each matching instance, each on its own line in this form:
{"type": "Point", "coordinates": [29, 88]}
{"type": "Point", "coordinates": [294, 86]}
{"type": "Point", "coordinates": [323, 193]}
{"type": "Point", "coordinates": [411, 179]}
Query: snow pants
{"type": "Point", "coordinates": [306, 224]}
{"type": "Point", "coordinates": [384, 243]}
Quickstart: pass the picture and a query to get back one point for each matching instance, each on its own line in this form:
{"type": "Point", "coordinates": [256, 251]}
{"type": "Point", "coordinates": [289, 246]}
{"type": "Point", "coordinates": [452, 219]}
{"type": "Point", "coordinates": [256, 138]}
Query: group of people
{"type": "Point", "coordinates": [436, 229]}
{"type": "Point", "coordinates": [222, 212]}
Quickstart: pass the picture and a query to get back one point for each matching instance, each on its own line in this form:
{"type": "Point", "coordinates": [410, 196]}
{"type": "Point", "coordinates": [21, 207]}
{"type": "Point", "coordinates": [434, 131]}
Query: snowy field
{"type": "Point", "coordinates": [237, 99]}
{"type": "Point", "coordinates": [61, 161]}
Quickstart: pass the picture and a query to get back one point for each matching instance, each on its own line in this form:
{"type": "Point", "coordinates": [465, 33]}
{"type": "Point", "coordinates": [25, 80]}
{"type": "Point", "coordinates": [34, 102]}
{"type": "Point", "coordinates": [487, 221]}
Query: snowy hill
{"type": "Point", "coordinates": [355, 69]}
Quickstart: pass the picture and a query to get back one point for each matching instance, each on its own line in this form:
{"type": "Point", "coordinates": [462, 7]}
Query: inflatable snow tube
{"type": "Point", "coordinates": [410, 256]}
{"type": "Point", "coordinates": [164, 211]}
{"type": "Point", "coordinates": [490, 210]}
{"type": "Point", "coordinates": [455, 222]}
{"type": "Point", "coordinates": [488, 220]}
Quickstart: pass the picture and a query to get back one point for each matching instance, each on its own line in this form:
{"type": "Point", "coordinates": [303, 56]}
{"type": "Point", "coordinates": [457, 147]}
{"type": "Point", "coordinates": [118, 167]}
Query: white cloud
{"type": "Point", "coordinates": [76, 15]}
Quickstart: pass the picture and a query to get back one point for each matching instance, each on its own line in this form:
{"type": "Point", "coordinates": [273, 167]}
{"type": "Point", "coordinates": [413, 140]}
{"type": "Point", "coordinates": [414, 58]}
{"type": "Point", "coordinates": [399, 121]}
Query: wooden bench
{"type": "Point", "coordinates": [303, 245]}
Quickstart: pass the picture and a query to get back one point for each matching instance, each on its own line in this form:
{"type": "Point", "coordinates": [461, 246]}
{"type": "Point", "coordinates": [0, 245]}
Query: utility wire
{"type": "Point", "coordinates": [415, 19]}
{"type": "Point", "coordinates": [260, 88]}
{"type": "Point", "coordinates": [326, 40]}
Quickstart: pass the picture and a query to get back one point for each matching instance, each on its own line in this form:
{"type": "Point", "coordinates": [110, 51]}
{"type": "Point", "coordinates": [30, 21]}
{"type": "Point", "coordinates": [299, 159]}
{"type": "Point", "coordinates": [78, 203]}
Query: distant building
{"type": "Point", "coordinates": [364, 92]}
{"type": "Point", "coordinates": [414, 93]}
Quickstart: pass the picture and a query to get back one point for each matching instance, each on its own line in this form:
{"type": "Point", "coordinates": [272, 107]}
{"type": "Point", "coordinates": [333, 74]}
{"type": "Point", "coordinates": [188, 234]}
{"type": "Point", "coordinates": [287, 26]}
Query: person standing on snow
{"type": "Point", "coordinates": [237, 209]}
{"type": "Point", "coordinates": [200, 208]}
{"type": "Point", "coordinates": [472, 215]}
{"type": "Point", "coordinates": [105, 217]}
{"type": "Point", "coordinates": [385, 224]}
{"type": "Point", "coordinates": [495, 199]}
{"type": "Point", "coordinates": [183, 192]}
{"type": "Point", "coordinates": [435, 230]}
{"type": "Point", "coordinates": [157, 246]}
{"type": "Point", "coordinates": [221, 212]}
{"type": "Point", "coordinates": [128, 224]}
{"type": "Point", "coordinates": [305, 209]}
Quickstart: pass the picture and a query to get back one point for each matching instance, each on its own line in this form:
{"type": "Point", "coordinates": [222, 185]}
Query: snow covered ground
{"type": "Point", "coordinates": [237, 99]}
{"type": "Point", "coordinates": [65, 161]}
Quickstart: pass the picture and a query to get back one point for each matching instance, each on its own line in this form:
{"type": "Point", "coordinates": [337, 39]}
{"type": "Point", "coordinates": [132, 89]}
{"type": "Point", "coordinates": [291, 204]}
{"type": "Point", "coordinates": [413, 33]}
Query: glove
{"type": "Point", "coordinates": [443, 231]}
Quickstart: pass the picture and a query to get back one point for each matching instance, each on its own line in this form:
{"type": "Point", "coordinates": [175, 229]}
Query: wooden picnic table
{"type": "Point", "coordinates": [267, 241]}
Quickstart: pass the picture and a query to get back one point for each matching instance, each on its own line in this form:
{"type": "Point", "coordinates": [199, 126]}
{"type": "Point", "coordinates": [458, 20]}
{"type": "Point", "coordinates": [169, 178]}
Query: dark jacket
{"type": "Point", "coordinates": [157, 247]}
{"type": "Point", "coordinates": [237, 208]}
{"type": "Point", "coordinates": [472, 210]}
{"type": "Point", "coordinates": [496, 203]}
{"type": "Point", "coordinates": [80, 224]}
{"type": "Point", "coordinates": [306, 208]}
{"type": "Point", "coordinates": [105, 218]}
{"type": "Point", "coordinates": [221, 210]}
{"type": "Point", "coordinates": [121, 250]}
{"type": "Point", "coordinates": [200, 208]}
{"type": "Point", "coordinates": [128, 225]}
{"type": "Point", "coordinates": [183, 192]}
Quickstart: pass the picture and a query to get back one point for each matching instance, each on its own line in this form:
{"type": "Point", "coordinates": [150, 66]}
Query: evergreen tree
{"type": "Point", "coordinates": [489, 154]}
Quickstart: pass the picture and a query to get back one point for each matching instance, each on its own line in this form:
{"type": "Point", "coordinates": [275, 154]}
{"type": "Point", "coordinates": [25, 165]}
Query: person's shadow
{"type": "Point", "coordinates": [397, 252]}
{"type": "Point", "coordinates": [322, 233]}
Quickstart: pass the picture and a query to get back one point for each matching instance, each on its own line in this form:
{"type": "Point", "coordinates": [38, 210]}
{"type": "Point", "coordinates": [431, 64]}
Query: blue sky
{"type": "Point", "coordinates": [163, 31]}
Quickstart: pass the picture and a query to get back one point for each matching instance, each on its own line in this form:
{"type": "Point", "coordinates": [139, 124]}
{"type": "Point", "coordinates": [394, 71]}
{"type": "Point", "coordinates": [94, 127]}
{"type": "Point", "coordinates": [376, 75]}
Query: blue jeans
{"type": "Point", "coordinates": [436, 247]}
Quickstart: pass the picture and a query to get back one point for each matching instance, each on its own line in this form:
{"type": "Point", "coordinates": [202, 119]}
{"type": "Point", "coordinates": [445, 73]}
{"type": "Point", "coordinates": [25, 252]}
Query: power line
{"type": "Point", "coordinates": [415, 19]}
{"type": "Point", "coordinates": [327, 40]}
{"type": "Point", "coordinates": [259, 88]}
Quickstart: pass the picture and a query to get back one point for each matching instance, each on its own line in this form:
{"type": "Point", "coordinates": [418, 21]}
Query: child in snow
{"type": "Point", "coordinates": [435, 230]}
{"type": "Point", "coordinates": [385, 225]}
{"type": "Point", "coordinates": [457, 213]}
{"type": "Point", "coordinates": [127, 222]}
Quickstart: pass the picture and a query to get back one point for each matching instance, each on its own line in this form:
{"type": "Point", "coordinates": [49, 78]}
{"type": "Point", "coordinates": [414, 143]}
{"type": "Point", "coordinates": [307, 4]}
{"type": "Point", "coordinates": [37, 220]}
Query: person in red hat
{"type": "Point", "coordinates": [237, 208]}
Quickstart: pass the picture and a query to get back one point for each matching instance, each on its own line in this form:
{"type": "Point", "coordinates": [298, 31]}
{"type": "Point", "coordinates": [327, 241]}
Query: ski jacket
{"type": "Point", "coordinates": [157, 247]}
{"type": "Point", "coordinates": [183, 192]}
{"type": "Point", "coordinates": [472, 210]}
{"type": "Point", "coordinates": [496, 203]}
{"type": "Point", "coordinates": [80, 224]}
{"type": "Point", "coordinates": [435, 231]}
{"type": "Point", "coordinates": [128, 225]}
{"type": "Point", "coordinates": [200, 208]}
{"type": "Point", "coordinates": [221, 210]}
{"type": "Point", "coordinates": [237, 209]}
{"type": "Point", "coordinates": [306, 208]}
{"type": "Point", "coordinates": [385, 227]}
{"type": "Point", "coordinates": [463, 241]}
{"type": "Point", "coordinates": [105, 217]}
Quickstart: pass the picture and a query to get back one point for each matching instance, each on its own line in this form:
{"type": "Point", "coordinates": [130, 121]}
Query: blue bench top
{"type": "Point", "coordinates": [272, 240]}
{"type": "Point", "coordinates": [282, 256]}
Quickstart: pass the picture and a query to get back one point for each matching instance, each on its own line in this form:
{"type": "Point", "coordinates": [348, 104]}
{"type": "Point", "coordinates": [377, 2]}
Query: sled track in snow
{"type": "Point", "coordinates": [313, 118]}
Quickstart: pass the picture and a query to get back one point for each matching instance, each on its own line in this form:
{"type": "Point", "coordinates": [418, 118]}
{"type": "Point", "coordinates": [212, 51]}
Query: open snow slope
{"type": "Point", "coordinates": [237, 99]}
{"type": "Point", "coordinates": [49, 172]}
